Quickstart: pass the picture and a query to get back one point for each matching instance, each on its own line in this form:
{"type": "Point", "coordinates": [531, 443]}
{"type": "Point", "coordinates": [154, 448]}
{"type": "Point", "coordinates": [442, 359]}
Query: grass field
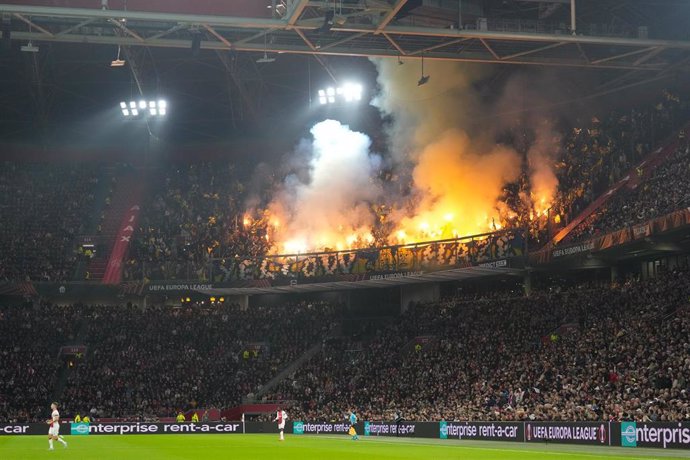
{"type": "Point", "coordinates": [256, 447]}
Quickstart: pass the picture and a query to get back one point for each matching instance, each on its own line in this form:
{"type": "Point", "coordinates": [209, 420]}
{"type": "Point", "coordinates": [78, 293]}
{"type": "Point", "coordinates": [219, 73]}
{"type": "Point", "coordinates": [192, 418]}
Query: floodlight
{"type": "Point", "coordinates": [144, 108]}
{"type": "Point", "coordinates": [349, 92]}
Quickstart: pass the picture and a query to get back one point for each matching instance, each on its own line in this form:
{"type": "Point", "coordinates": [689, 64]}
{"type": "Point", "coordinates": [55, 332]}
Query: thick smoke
{"type": "Point", "coordinates": [457, 176]}
{"type": "Point", "coordinates": [534, 92]}
{"type": "Point", "coordinates": [329, 205]}
{"type": "Point", "coordinates": [442, 141]}
{"type": "Point", "coordinates": [541, 159]}
{"type": "Point", "coordinates": [420, 114]}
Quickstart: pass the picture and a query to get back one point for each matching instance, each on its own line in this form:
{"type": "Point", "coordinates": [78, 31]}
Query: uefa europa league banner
{"type": "Point", "coordinates": [592, 433]}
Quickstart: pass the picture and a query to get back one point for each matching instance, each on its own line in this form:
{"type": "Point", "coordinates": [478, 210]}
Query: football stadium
{"type": "Point", "coordinates": [344, 229]}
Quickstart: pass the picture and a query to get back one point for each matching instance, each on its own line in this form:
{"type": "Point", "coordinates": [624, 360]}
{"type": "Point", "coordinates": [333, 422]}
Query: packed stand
{"type": "Point", "coordinates": [589, 353]}
{"type": "Point", "coordinates": [194, 214]}
{"type": "Point", "coordinates": [156, 361]}
{"type": "Point", "coordinates": [29, 341]}
{"type": "Point", "coordinates": [592, 158]}
{"type": "Point", "coordinates": [43, 208]}
{"type": "Point", "coordinates": [666, 190]}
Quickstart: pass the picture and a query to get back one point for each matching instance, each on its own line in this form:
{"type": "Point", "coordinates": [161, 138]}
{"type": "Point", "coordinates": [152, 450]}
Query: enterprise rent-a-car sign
{"type": "Point", "coordinates": [127, 428]}
{"type": "Point", "coordinates": [484, 431]}
{"type": "Point", "coordinates": [663, 435]}
{"type": "Point", "coordinates": [299, 427]}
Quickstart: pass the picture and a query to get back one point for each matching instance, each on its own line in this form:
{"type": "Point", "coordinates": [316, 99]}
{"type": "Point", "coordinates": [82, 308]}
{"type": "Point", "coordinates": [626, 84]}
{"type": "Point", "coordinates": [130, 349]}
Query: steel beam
{"type": "Point", "coordinates": [650, 55]}
{"type": "Point", "coordinates": [537, 50]}
{"type": "Point", "coordinates": [439, 46]}
{"type": "Point", "coordinates": [125, 29]}
{"type": "Point", "coordinates": [389, 16]}
{"type": "Point", "coordinates": [292, 49]}
{"type": "Point", "coordinates": [220, 22]}
{"type": "Point", "coordinates": [84, 23]}
{"type": "Point", "coordinates": [343, 41]}
{"type": "Point", "coordinates": [32, 25]}
{"type": "Point", "coordinates": [620, 56]}
{"type": "Point", "coordinates": [169, 31]}
{"type": "Point", "coordinates": [220, 38]}
{"type": "Point", "coordinates": [317, 56]}
{"type": "Point", "coordinates": [239, 84]}
{"type": "Point", "coordinates": [395, 44]}
{"type": "Point", "coordinates": [491, 50]}
{"type": "Point", "coordinates": [297, 10]}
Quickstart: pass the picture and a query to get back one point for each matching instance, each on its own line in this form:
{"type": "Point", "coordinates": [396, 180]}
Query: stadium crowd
{"type": "Point", "coordinates": [194, 213]}
{"type": "Point", "coordinates": [667, 189]}
{"type": "Point", "coordinates": [593, 157]}
{"type": "Point", "coordinates": [590, 352]}
{"type": "Point", "coordinates": [155, 361]}
{"type": "Point", "coordinates": [587, 353]}
{"type": "Point", "coordinates": [29, 342]}
{"type": "Point", "coordinates": [43, 207]}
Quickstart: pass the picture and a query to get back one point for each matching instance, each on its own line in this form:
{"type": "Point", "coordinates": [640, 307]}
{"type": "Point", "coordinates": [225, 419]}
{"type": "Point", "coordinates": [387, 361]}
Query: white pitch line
{"type": "Point", "coordinates": [420, 442]}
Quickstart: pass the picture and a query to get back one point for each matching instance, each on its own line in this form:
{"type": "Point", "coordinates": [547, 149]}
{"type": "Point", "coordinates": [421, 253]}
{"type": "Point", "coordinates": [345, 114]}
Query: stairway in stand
{"type": "Point", "coordinates": [127, 193]}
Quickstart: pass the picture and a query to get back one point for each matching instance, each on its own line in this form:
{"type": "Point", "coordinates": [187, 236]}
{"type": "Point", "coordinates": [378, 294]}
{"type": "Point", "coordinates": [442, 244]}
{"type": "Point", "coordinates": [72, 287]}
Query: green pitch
{"type": "Point", "coordinates": [256, 447]}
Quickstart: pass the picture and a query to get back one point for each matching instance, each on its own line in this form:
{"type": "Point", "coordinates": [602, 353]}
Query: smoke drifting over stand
{"type": "Point", "coordinates": [443, 151]}
{"type": "Point", "coordinates": [457, 176]}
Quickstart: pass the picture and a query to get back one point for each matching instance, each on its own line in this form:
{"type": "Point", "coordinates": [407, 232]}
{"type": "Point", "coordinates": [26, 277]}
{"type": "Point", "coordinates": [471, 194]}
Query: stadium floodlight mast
{"type": "Point", "coordinates": [349, 92]}
{"type": "Point", "coordinates": [144, 108]}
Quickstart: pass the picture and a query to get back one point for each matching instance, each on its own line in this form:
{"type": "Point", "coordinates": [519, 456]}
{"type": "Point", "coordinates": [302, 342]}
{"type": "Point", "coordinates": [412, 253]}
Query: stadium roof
{"type": "Point", "coordinates": [223, 85]}
{"type": "Point", "coordinates": [608, 35]}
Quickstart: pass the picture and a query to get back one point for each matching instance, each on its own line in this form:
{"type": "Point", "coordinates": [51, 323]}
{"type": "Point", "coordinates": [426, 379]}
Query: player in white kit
{"type": "Point", "coordinates": [54, 430]}
{"type": "Point", "coordinates": [281, 417]}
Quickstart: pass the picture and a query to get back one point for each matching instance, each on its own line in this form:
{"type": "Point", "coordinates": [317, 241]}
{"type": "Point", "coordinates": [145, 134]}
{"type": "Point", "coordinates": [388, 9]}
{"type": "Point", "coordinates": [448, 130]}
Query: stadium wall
{"type": "Point", "coordinates": [669, 435]}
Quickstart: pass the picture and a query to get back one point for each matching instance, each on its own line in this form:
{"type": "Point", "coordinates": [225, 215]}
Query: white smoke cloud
{"type": "Point", "coordinates": [330, 205]}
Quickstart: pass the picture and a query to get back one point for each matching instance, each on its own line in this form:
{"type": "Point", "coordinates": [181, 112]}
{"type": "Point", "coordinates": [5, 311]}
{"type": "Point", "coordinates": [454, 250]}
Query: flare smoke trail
{"type": "Point", "coordinates": [330, 205]}
{"type": "Point", "coordinates": [541, 159]}
{"type": "Point", "coordinates": [441, 140]}
{"type": "Point", "coordinates": [457, 177]}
